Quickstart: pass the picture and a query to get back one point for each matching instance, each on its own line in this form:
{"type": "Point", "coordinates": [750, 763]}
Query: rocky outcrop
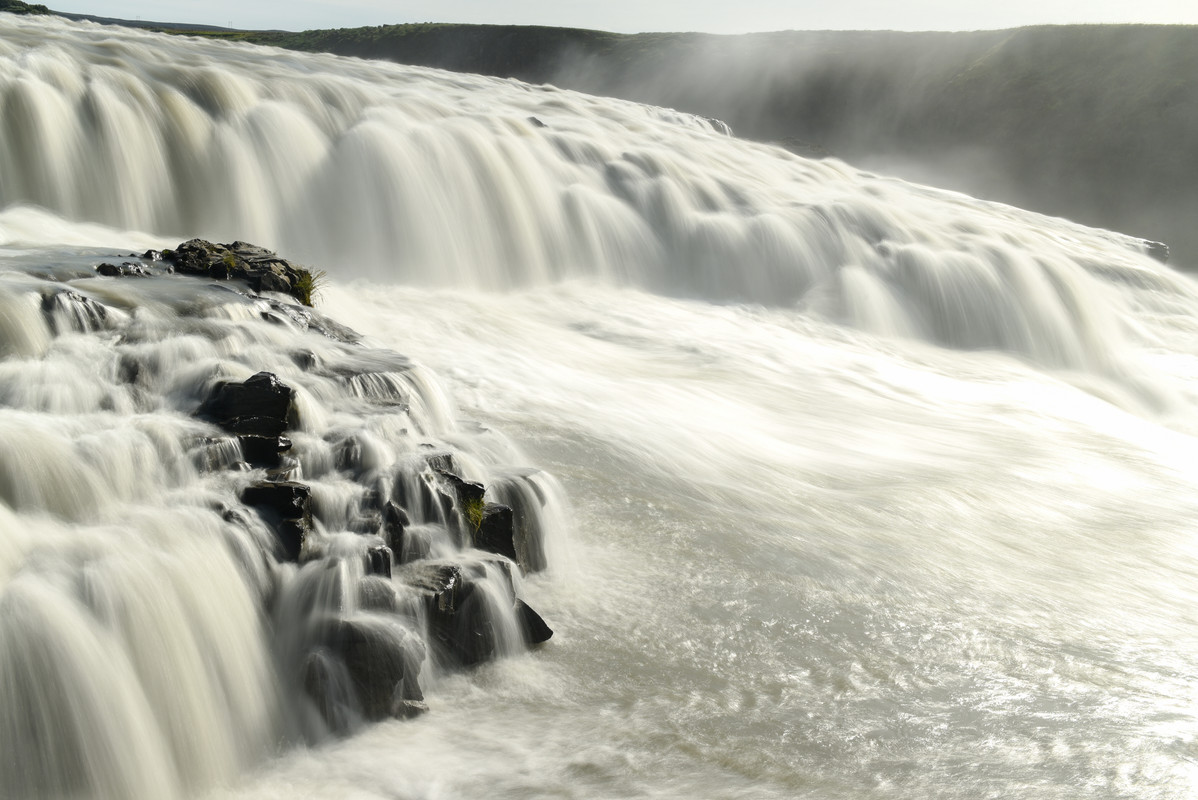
{"type": "Point", "coordinates": [260, 268]}
{"type": "Point", "coordinates": [364, 664]}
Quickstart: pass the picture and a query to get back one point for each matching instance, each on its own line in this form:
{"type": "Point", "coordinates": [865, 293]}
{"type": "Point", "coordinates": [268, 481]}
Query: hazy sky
{"type": "Point", "coordinates": [715, 16]}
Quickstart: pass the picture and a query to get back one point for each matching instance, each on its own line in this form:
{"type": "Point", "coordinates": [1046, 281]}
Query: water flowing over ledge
{"type": "Point", "coordinates": [422, 177]}
{"type": "Point", "coordinates": [881, 491]}
{"type": "Point", "coordinates": [166, 619]}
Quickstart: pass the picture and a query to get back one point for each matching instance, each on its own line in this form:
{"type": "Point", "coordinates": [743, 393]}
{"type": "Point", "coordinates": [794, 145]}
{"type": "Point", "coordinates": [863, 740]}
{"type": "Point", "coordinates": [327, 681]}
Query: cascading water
{"type": "Point", "coordinates": [878, 491]}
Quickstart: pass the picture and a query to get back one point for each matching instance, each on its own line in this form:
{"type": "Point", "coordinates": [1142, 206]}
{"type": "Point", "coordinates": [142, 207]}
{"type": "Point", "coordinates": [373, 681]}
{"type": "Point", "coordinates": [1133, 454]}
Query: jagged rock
{"type": "Point", "coordinates": [488, 526]}
{"type": "Point", "coordinates": [535, 629]}
{"type": "Point", "coordinates": [378, 561]}
{"type": "Point", "coordinates": [395, 526]}
{"type": "Point", "coordinates": [495, 532]}
{"type": "Point", "coordinates": [286, 507]}
{"type": "Point", "coordinates": [394, 516]}
{"type": "Point", "coordinates": [719, 126]}
{"type": "Point", "coordinates": [260, 406]}
{"type": "Point", "coordinates": [408, 709]}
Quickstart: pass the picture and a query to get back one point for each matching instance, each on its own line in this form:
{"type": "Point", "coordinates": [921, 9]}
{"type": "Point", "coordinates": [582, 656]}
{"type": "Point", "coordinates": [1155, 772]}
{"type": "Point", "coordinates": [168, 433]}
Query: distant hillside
{"type": "Point", "coordinates": [1095, 123]}
{"type": "Point", "coordinates": [17, 7]}
{"type": "Point", "coordinates": [173, 27]}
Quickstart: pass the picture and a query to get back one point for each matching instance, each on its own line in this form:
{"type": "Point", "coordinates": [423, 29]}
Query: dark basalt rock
{"type": "Point", "coordinates": [377, 593]}
{"type": "Point", "coordinates": [535, 629]}
{"type": "Point", "coordinates": [457, 616]}
{"type": "Point", "coordinates": [260, 268]}
{"type": "Point", "coordinates": [383, 668]}
{"type": "Point", "coordinates": [488, 526]}
{"type": "Point", "coordinates": [286, 507]}
{"type": "Point", "coordinates": [126, 270]}
{"type": "Point", "coordinates": [378, 561]}
{"type": "Point", "coordinates": [263, 450]}
{"type": "Point", "coordinates": [496, 531]}
{"type": "Point", "coordinates": [456, 619]}
{"type": "Point", "coordinates": [522, 494]}
{"type": "Point", "coordinates": [260, 406]}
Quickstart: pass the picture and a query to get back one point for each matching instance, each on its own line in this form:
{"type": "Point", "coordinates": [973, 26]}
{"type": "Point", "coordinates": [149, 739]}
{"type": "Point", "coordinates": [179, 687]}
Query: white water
{"type": "Point", "coordinates": [877, 491]}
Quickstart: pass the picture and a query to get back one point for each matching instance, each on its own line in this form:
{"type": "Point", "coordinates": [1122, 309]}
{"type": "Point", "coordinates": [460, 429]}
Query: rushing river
{"type": "Point", "coordinates": [873, 490]}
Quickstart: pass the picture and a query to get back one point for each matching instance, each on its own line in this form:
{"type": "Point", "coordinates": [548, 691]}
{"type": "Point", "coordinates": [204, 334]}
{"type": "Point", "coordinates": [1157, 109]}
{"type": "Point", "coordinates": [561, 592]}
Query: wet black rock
{"type": "Point", "coordinates": [67, 310]}
{"type": "Point", "coordinates": [368, 667]}
{"type": "Point", "coordinates": [521, 493]}
{"type": "Point", "coordinates": [495, 532]}
{"type": "Point", "coordinates": [378, 561]}
{"type": "Point", "coordinates": [125, 270]}
{"type": "Point", "coordinates": [263, 451]}
{"type": "Point", "coordinates": [457, 619]}
{"type": "Point", "coordinates": [535, 629]}
{"type": "Point", "coordinates": [261, 269]}
{"type": "Point", "coordinates": [286, 507]}
{"type": "Point", "coordinates": [377, 593]}
{"type": "Point", "coordinates": [259, 406]}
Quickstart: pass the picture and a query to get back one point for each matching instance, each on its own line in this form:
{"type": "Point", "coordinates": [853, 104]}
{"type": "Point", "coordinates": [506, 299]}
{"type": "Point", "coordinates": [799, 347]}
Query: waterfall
{"type": "Point", "coordinates": [879, 488]}
{"type": "Point", "coordinates": [423, 177]}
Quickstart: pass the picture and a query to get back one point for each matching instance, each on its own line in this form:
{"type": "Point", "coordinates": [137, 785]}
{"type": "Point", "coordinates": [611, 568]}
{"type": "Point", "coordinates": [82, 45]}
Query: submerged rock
{"type": "Point", "coordinates": [383, 667]}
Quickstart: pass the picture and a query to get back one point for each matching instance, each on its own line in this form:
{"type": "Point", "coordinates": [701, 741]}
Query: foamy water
{"type": "Point", "coordinates": [873, 490]}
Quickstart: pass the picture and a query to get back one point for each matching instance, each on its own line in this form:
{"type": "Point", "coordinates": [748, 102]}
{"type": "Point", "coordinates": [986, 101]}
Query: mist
{"type": "Point", "coordinates": [1091, 123]}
